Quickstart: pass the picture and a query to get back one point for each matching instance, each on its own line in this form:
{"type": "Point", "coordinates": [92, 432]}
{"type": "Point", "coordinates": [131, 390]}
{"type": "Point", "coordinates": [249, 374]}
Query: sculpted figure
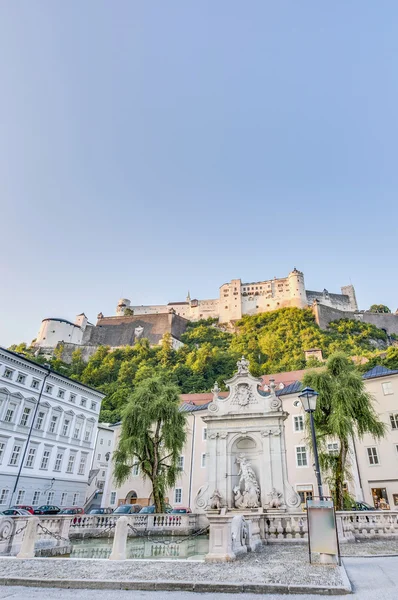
{"type": "Point", "coordinates": [247, 493]}
{"type": "Point", "coordinates": [215, 500]}
{"type": "Point", "coordinates": [276, 497]}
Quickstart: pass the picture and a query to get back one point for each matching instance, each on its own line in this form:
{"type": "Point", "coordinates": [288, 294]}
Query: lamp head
{"type": "Point", "coordinates": [308, 399]}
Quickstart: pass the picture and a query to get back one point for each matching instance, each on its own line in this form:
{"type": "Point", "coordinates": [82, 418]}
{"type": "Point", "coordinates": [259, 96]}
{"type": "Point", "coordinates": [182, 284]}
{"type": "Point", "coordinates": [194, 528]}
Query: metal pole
{"type": "Point", "coordinates": [315, 449]}
{"type": "Point", "coordinates": [28, 438]}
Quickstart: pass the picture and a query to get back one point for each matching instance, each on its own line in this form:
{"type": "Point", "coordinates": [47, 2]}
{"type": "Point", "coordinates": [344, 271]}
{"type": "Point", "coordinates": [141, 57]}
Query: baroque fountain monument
{"type": "Point", "coordinates": [247, 468]}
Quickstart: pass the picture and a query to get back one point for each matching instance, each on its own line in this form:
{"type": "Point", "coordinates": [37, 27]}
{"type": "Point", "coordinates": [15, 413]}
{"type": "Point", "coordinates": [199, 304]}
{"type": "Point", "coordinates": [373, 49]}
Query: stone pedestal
{"type": "Point", "coordinates": [220, 539]}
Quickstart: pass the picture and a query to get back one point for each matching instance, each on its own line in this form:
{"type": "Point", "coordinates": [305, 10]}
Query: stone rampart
{"type": "Point", "coordinates": [325, 314]}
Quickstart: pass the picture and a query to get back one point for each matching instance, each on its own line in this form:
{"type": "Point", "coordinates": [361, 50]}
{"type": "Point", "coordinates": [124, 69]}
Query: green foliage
{"type": "Point", "coordinates": [379, 308]}
{"type": "Point", "coordinates": [152, 436]}
{"type": "Point", "coordinates": [344, 410]}
{"type": "Point", "coordinates": [273, 342]}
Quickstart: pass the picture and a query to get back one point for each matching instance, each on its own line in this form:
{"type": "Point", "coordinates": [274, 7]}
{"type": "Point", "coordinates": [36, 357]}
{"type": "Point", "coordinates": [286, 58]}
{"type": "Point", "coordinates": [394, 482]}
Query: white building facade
{"type": "Point", "coordinates": [374, 463]}
{"type": "Point", "coordinates": [48, 426]}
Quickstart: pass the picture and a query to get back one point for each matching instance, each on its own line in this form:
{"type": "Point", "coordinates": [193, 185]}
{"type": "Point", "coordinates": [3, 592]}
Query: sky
{"type": "Point", "coordinates": [148, 148]}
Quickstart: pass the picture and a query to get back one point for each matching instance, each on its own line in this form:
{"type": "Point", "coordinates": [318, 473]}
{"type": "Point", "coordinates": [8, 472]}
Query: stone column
{"type": "Point", "coordinates": [266, 476]}
{"type": "Point", "coordinates": [120, 540]}
{"type": "Point", "coordinates": [222, 458]}
{"type": "Point", "coordinates": [212, 467]}
{"type": "Point", "coordinates": [28, 545]}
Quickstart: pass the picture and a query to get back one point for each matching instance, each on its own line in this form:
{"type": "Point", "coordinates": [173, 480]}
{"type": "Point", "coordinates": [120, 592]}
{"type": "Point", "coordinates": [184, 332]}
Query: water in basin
{"type": "Point", "coordinates": [174, 548]}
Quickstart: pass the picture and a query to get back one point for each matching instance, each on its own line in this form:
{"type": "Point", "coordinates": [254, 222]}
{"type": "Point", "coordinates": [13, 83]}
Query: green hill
{"type": "Point", "coordinates": [273, 342]}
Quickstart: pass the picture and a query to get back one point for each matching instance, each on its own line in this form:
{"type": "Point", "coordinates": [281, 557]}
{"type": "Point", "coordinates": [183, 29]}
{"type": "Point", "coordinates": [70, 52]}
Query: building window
{"type": "Point", "coordinates": [204, 434]}
{"type": "Point", "coordinates": [76, 433]}
{"type": "Point", "coordinates": [16, 451]}
{"type": "Point", "coordinates": [109, 442]}
{"type": "Point", "coordinates": [65, 428]}
{"type": "Point", "coordinates": [333, 449]}
{"type": "Point", "coordinates": [72, 398]}
{"type": "Point", "coordinates": [53, 424]}
{"type": "Point", "coordinates": [87, 435]}
{"type": "Point", "coordinates": [387, 388]}
{"type": "Point", "coordinates": [45, 459]}
{"type": "Point", "coordinates": [301, 456]}
{"type": "Point", "coordinates": [373, 457]}
{"type": "Point", "coordinates": [178, 495]}
{"type": "Point", "coordinates": [64, 497]}
{"type": "Point", "coordinates": [39, 420]}
{"type": "Point", "coordinates": [101, 441]}
{"type": "Point", "coordinates": [71, 463]}
{"type": "Point", "coordinates": [49, 389]}
{"type": "Point", "coordinates": [83, 402]}
{"type": "Point", "coordinates": [180, 464]}
{"type": "Point", "coordinates": [10, 413]}
{"type": "Point", "coordinates": [99, 457]}
{"type": "Point", "coordinates": [50, 497]}
{"type": "Point", "coordinates": [35, 384]}
{"type": "Point", "coordinates": [75, 499]}
{"type": "Point", "coordinates": [93, 406]}
{"type": "Point", "coordinates": [30, 459]}
{"type": "Point", "coordinates": [20, 496]}
{"type": "Point", "coordinates": [203, 460]}
{"type": "Point", "coordinates": [4, 496]}
{"type": "Point", "coordinates": [298, 423]}
{"type": "Point", "coordinates": [2, 449]}
{"type": "Point", "coordinates": [135, 470]}
{"type": "Point", "coordinates": [25, 417]}
{"type": "Point", "coordinates": [113, 498]}
{"type": "Point", "coordinates": [394, 421]}
{"type": "Point", "coordinates": [61, 394]}
{"type": "Point", "coordinates": [58, 461]}
{"type": "Point", "coordinates": [82, 465]}
{"type": "Point", "coordinates": [21, 378]}
{"type": "Point", "coordinates": [36, 498]}
{"type": "Point", "coordinates": [103, 473]}
{"type": "Point", "coordinates": [8, 373]}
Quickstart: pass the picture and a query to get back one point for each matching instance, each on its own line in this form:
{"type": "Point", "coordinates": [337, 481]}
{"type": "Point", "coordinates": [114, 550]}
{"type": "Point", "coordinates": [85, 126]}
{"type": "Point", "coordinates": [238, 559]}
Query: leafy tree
{"type": "Point", "coordinates": [344, 410]}
{"type": "Point", "coordinates": [152, 437]}
{"type": "Point", "coordinates": [379, 308]}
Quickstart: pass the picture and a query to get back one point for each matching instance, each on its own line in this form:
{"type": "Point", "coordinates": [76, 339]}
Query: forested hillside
{"type": "Point", "coordinates": [273, 342]}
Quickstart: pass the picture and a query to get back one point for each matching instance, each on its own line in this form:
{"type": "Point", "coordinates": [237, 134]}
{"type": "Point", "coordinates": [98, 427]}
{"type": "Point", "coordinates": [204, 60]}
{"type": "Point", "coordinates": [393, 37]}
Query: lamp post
{"type": "Point", "coordinates": [308, 399]}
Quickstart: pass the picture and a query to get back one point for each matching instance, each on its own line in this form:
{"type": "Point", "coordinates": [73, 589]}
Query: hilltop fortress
{"type": "Point", "coordinates": [237, 299]}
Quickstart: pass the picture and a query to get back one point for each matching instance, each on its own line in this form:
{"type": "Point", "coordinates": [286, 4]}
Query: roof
{"type": "Point", "coordinates": [287, 377]}
{"type": "Point", "coordinates": [379, 371]}
{"type": "Point", "coordinates": [170, 303]}
{"type": "Point", "coordinates": [201, 398]}
{"type": "Point", "coordinates": [186, 407]}
{"type": "Point", "coordinates": [39, 366]}
{"type": "Point", "coordinates": [59, 320]}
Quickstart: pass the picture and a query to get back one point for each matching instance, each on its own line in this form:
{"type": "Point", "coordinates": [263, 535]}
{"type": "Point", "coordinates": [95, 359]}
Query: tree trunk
{"type": "Point", "coordinates": [157, 496]}
{"type": "Point", "coordinates": [339, 475]}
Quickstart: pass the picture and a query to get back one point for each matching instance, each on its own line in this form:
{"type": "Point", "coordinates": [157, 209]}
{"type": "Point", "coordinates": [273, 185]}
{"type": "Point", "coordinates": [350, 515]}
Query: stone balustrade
{"type": "Point", "coordinates": [365, 525]}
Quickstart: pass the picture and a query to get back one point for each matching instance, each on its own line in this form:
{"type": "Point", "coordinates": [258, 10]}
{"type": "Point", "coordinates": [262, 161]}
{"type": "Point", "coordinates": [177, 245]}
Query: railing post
{"type": "Point", "coordinates": [28, 544]}
{"type": "Point", "coordinates": [120, 540]}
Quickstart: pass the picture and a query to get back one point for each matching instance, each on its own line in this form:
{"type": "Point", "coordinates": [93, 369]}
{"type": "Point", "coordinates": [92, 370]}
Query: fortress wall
{"type": "Point", "coordinates": [325, 314]}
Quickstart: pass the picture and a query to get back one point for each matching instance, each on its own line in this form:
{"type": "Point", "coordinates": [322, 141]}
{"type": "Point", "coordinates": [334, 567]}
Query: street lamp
{"type": "Point", "coordinates": [308, 399]}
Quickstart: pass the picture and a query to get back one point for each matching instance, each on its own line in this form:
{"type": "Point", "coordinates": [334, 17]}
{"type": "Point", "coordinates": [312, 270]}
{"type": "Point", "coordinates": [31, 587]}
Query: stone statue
{"type": "Point", "coordinates": [276, 499]}
{"type": "Point", "coordinates": [239, 534]}
{"type": "Point", "coordinates": [216, 389]}
{"type": "Point", "coordinates": [216, 500]}
{"type": "Point", "coordinates": [247, 493]}
{"type": "Point", "coordinates": [243, 366]}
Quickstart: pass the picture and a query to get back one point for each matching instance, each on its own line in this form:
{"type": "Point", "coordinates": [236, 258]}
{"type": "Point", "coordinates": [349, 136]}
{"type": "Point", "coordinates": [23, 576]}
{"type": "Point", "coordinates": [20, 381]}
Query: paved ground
{"type": "Point", "coordinates": [371, 578]}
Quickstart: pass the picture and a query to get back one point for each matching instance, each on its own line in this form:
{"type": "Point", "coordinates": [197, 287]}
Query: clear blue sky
{"type": "Point", "coordinates": [151, 147]}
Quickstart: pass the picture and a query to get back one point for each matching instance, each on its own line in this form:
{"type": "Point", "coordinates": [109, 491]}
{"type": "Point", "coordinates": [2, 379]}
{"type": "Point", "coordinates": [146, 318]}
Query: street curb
{"type": "Point", "coordinates": [200, 587]}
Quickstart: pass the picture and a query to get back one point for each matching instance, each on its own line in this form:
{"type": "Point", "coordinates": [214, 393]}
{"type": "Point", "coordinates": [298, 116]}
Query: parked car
{"type": "Point", "coordinates": [181, 511]}
{"type": "Point", "coordinates": [363, 506]}
{"type": "Point", "coordinates": [70, 511]}
{"type": "Point", "coordinates": [16, 512]}
{"type": "Point", "coordinates": [100, 511]}
{"type": "Point", "coordinates": [149, 510]}
{"type": "Point", "coordinates": [127, 509]}
{"type": "Point", "coordinates": [30, 509]}
{"type": "Point", "coordinates": [47, 509]}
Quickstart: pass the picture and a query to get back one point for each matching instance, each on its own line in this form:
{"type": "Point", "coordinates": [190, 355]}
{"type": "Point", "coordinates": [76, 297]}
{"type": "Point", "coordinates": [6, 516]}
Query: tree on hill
{"type": "Point", "coordinates": [344, 410]}
{"type": "Point", "coordinates": [379, 308]}
{"type": "Point", "coordinates": [152, 437]}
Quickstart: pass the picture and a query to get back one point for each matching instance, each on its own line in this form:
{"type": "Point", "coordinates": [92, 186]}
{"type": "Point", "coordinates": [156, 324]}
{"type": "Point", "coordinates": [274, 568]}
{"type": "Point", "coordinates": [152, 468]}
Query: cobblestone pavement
{"type": "Point", "coordinates": [278, 564]}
